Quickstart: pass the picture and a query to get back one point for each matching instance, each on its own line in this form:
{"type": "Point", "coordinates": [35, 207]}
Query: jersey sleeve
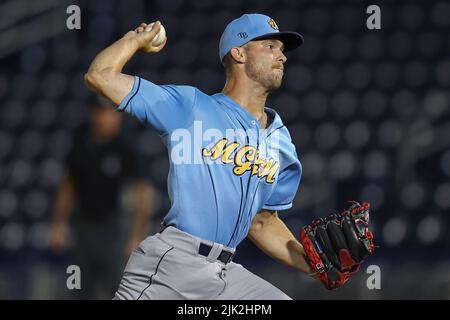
{"type": "Point", "coordinates": [164, 107]}
{"type": "Point", "coordinates": [286, 188]}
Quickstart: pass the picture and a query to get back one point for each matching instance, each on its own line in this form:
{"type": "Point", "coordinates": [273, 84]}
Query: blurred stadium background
{"type": "Point", "coordinates": [367, 110]}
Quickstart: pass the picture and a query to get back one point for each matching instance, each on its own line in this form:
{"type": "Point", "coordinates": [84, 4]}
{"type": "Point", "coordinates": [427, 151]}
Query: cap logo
{"type": "Point", "coordinates": [272, 24]}
{"type": "Point", "coordinates": [243, 35]}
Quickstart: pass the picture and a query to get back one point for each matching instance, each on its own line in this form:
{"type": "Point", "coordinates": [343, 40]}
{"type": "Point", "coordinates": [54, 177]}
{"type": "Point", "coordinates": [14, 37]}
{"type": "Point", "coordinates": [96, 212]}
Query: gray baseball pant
{"type": "Point", "coordinates": [168, 266]}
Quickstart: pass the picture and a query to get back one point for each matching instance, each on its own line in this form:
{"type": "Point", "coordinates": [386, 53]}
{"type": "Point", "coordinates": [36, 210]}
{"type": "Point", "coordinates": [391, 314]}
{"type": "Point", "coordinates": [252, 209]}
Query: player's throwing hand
{"type": "Point", "coordinates": [144, 38]}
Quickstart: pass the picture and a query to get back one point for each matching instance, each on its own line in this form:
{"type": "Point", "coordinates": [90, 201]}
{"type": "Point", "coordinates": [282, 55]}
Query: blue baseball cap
{"type": "Point", "coordinates": [255, 26]}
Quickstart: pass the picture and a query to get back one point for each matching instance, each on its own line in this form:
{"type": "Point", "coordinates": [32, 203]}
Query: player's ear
{"type": "Point", "coordinates": [238, 54]}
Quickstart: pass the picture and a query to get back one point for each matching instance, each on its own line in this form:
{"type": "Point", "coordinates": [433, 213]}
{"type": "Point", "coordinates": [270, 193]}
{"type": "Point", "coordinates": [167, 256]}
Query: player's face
{"type": "Point", "coordinates": [265, 62]}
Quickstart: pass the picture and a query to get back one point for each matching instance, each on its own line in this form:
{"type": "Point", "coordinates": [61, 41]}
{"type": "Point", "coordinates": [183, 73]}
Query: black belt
{"type": "Point", "coordinates": [225, 256]}
{"type": "Point", "coordinates": [204, 249]}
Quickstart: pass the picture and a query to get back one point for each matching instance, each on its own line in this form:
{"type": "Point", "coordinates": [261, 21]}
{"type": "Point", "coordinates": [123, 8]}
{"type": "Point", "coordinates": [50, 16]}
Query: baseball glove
{"type": "Point", "coordinates": [336, 246]}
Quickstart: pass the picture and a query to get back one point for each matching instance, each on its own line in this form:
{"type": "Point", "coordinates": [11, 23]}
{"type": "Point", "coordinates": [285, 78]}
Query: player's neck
{"type": "Point", "coordinates": [248, 95]}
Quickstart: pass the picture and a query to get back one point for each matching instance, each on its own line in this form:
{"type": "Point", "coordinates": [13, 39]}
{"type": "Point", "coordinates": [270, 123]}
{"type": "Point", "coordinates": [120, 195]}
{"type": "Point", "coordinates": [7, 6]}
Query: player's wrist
{"type": "Point", "coordinates": [131, 41]}
{"type": "Point", "coordinates": [135, 45]}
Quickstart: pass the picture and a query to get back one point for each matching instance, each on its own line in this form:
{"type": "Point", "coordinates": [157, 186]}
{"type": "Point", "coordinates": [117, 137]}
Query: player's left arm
{"type": "Point", "coordinates": [269, 233]}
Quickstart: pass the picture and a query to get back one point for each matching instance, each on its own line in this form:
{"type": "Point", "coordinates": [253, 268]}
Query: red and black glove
{"type": "Point", "coordinates": [336, 246]}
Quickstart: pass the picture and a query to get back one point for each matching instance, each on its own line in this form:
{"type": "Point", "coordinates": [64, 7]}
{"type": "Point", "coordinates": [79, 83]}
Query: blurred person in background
{"type": "Point", "coordinates": [99, 165]}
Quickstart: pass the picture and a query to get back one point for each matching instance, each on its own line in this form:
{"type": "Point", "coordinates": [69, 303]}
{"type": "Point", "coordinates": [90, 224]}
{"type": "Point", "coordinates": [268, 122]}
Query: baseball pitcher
{"type": "Point", "coordinates": [231, 183]}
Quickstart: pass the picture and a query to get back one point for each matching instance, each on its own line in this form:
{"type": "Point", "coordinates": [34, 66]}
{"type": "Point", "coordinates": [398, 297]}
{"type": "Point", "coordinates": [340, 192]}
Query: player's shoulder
{"type": "Point", "coordinates": [179, 88]}
{"type": "Point", "coordinates": [182, 88]}
{"type": "Point", "coordinates": [147, 84]}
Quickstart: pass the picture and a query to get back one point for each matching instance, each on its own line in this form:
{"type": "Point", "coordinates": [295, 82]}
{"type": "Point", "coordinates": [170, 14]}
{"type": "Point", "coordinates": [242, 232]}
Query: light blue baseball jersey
{"type": "Point", "coordinates": [223, 168]}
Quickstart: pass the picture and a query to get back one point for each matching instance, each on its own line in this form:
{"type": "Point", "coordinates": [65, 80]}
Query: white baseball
{"type": "Point", "coordinates": [159, 38]}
